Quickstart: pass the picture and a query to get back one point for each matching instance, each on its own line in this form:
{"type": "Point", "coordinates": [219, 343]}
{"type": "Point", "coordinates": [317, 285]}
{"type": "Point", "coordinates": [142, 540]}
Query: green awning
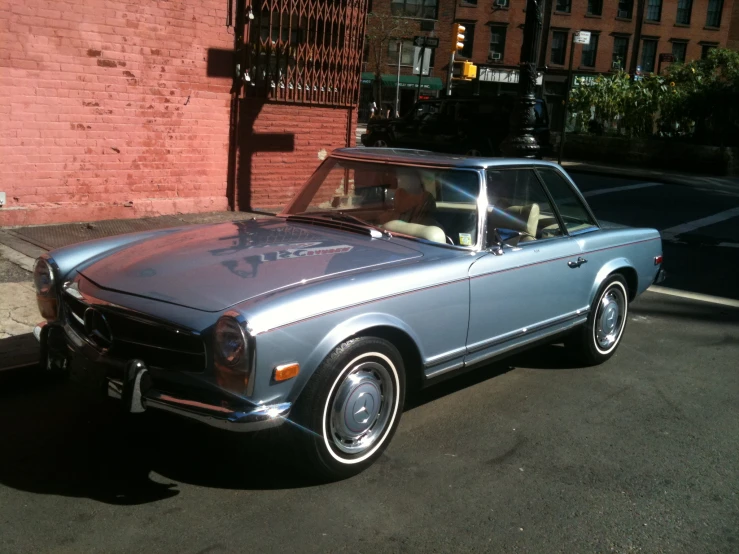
{"type": "Point", "coordinates": [406, 81]}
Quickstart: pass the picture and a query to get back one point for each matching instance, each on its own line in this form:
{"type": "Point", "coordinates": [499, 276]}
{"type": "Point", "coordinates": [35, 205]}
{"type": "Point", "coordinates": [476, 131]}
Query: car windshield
{"type": "Point", "coordinates": [435, 204]}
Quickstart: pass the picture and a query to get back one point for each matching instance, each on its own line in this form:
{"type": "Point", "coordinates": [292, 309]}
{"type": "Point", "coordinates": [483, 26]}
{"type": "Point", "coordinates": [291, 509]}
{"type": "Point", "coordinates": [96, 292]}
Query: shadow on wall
{"type": "Point", "coordinates": [250, 143]}
{"type": "Point", "coordinates": [244, 141]}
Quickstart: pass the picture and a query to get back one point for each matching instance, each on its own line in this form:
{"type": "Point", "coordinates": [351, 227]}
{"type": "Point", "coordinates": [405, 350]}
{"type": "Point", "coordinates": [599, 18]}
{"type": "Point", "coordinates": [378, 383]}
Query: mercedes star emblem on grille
{"type": "Point", "coordinates": [97, 328]}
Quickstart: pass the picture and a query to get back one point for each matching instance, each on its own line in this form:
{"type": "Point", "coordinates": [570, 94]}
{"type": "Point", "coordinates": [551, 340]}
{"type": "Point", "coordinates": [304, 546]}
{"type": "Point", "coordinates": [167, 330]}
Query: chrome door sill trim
{"type": "Point", "coordinates": [500, 339]}
{"type": "Point", "coordinates": [501, 351]}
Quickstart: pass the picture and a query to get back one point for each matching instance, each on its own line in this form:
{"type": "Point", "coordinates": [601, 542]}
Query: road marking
{"type": "Point", "coordinates": [672, 232]}
{"type": "Point", "coordinates": [621, 189]}
{"type": "Point", "coordinates": [695, 296]}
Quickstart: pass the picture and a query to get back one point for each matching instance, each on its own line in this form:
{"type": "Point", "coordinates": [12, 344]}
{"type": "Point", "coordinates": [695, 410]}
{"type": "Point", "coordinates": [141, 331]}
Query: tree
{"type": "Point", "coordinates": [706, 92]}
{"type": "Point", "coordinates": [382, 30]}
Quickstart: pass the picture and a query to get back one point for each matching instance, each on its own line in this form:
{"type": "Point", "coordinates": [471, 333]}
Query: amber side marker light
{"type": "Point", "coordinates": [658, 260]}
{"type": "Point", "coordinates": [287, 371]}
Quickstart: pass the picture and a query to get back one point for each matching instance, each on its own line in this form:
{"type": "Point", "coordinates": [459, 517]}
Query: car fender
{"type": "Point", "coordinates": [608, 268]}
{"type": "Point", "coordinates": [345, 331]}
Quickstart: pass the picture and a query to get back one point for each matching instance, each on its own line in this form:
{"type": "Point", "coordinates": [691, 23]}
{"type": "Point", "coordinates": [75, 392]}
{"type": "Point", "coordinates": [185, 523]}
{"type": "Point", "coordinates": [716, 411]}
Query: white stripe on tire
{"type": "Point", "coordinates": [390, 422]}
{"type": "Point", "coordinates": [623, 323]}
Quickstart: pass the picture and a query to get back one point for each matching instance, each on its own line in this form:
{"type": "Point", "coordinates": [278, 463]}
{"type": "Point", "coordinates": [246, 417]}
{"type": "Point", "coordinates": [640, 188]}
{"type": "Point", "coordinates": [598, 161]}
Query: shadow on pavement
{"type": "Point", "coordinates": [58, 438]}
{"type": "Point", "coordinates": [18, 351]}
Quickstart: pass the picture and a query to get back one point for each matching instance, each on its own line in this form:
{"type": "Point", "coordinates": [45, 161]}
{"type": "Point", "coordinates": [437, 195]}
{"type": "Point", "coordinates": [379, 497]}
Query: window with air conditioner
{"type": "Point", "coordinates": [497, 43]}
{"type": "Point", "coordinates": [625, 9]}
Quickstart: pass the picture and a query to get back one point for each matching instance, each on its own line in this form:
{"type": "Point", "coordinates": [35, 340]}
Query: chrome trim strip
{"type": "Point", "coordinates": [445, 357]}
{"type": "Point", "coordinates": [526, 330]}
{"type": "Point", "coordinates": [501, 351]}
{"type": "Point", "coordinates": [444, 370]}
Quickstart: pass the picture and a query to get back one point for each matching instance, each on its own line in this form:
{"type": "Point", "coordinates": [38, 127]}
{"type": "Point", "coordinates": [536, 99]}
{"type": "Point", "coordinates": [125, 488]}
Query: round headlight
{"type": "Point", "coordinates": [43, 277]}
{"type": "Point", "coordinates": [230, 342]}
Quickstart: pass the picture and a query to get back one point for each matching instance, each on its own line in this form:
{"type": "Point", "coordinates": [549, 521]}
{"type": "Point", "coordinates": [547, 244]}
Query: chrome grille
{"type": "Point", "coordinates": [133, 336]}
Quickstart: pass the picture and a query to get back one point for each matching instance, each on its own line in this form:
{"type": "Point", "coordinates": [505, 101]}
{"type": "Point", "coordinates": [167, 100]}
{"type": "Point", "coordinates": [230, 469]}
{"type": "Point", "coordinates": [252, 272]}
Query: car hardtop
{"type": "Point", "coordinates": [411, 157]}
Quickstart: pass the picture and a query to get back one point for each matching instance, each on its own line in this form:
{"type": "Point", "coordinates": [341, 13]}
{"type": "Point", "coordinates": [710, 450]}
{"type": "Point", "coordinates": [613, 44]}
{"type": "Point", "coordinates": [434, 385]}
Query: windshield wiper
{"type": "Point", "coordinates": [352, 221]}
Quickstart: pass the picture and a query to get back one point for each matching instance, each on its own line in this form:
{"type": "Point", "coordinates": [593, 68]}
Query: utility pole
{"type": "Point", "coordinates": [397, 83]}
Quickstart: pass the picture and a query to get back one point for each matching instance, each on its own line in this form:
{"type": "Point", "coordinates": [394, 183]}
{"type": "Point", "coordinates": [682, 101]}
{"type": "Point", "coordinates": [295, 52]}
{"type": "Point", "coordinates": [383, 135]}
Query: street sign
{"type": "Point", "coordinates": [581, 37]}
{"type": "Point", "coordinates": [428, 42]}
{"type": "Point", "coordinates": [666, 58]}
{"type": "Point", "coordinates": [421, 61]}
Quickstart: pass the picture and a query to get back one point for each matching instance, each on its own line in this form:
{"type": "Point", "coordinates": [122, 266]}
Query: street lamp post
{"type": "Point", "coordinates": [521, 142]}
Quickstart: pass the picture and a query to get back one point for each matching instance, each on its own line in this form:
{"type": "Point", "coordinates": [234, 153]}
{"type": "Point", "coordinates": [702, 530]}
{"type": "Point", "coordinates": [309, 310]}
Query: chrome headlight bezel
{"type": "Point", "coordinates": [43, 277]}
{"type": "Point", "coordinates": [230, 344]}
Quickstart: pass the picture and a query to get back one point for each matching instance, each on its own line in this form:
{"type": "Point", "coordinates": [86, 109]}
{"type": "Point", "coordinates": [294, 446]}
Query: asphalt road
{"type": "Point", "coordinates": [528, 455]}
{"type": "Point", "coordinates": [694, 261]}
{"type": "Point", "coordinates": [532, 454]}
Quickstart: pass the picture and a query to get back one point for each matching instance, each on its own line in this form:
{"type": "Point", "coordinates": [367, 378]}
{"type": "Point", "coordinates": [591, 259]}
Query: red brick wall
{"type": "Point", "coordinates": [107, 111]}
{"type": "Point", "coordinates": [273, 177]}
{"type": "Point", "coordinates": [105, 104]}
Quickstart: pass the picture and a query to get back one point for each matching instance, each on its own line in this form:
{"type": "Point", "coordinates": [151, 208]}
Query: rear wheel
{"type": "Point", "coordinates": [598, 339]}
{"type": "Point", "coordinates": [350, 409]}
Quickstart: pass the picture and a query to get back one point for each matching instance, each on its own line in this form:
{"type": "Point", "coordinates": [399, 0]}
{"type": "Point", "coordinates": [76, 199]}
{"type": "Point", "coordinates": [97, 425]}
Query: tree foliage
{"type": "Point", "coordinates": [698, 99]}
{"type": "Point", "coordinates": [382, 29]}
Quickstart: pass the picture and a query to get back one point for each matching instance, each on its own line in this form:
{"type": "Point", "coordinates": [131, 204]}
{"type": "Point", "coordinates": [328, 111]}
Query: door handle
{"type": "Point", "coordinates": [578, 263]}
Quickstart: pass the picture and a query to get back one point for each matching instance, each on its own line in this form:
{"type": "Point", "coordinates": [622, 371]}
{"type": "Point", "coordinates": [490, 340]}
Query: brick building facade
{"type": "Point", "coordinates": [627, 34]}
{"type": "Point", "coordinates": [113, 109]}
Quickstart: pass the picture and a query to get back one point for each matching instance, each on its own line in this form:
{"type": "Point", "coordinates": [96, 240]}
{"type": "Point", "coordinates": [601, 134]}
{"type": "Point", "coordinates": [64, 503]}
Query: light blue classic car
{"type": "Point", "coordinates": [389, 269]}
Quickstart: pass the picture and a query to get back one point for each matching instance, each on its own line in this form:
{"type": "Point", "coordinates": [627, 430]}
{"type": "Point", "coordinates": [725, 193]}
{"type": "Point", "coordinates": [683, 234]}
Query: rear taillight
{"type": "Point", "coordinates": [658, 260]}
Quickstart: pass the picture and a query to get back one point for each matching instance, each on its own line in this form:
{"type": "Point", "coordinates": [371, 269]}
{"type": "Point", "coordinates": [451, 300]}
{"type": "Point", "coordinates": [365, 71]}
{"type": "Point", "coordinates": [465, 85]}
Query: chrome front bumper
{"type": "Point", "coordinates": [137, 395]}
{"type": "Point", "coordinates": [256, 419]}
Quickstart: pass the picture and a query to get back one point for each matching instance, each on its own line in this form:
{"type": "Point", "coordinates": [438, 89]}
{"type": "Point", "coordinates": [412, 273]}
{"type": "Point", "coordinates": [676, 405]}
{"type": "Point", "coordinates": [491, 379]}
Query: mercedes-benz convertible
{"type": "Point", "coordinates": [390, 269]}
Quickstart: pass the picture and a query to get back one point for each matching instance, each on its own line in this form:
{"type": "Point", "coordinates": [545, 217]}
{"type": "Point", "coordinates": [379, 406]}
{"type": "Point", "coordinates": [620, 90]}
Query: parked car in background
{"type": "Point", "coordinates": [389, 270]}
{"type": "Point", "coordinates": [469, 126]}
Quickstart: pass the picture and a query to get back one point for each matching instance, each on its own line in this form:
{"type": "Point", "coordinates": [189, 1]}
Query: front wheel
{"type": "Point", "coordinates": [598, 339]}
{"type": "Point", "coordinates": [350, 409]}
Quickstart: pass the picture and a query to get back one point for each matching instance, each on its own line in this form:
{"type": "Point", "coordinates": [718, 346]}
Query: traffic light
{"type": "Point", "coordinates": [464, 71]}
{"type": "Point", "coordinates": [457, 37]}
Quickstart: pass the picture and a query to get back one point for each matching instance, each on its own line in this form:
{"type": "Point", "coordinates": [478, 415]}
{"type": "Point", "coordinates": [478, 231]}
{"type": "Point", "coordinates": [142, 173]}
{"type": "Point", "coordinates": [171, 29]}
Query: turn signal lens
{"type": "Point", "coordinates": [658, 260]}
{"type": "Point", "coordinates": [287, 371]}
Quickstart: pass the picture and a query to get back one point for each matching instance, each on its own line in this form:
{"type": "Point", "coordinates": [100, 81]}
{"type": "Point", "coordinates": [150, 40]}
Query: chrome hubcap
{"type": "Point", "coordinates": [380, 143]}
{"type": "Point", "coordinates": [609, 320]}
{"type": "Point", "coordinates": [361, 408]}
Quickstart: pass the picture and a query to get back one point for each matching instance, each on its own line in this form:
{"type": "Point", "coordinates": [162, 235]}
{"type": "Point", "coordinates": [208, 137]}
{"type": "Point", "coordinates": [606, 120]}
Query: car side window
{"type": "Point", "coordinates": [519, 204]}
{"type": "Point", "coordinates": [574, 214]}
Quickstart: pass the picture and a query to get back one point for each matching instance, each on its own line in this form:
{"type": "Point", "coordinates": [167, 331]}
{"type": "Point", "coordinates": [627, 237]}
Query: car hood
{"type": "Point", "coordinates": [213, 267]}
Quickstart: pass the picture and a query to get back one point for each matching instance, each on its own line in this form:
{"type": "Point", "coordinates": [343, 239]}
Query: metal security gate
{"type": "Point", "coordinates": [306, 51]}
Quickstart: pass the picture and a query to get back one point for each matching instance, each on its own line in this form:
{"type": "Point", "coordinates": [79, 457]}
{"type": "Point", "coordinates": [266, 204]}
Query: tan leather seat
{"type": "Point", "coordinates": [428, 232]}
{"type": "Point", "coordinates": [517, 218]}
